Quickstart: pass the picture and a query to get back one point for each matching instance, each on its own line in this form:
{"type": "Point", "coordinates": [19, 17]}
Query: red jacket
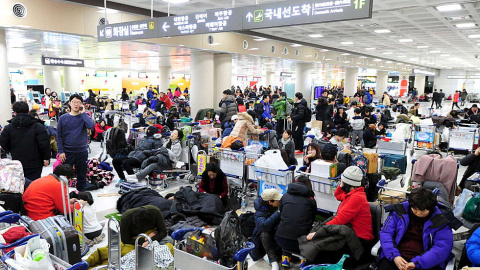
{"type": "Point", "coordinates": [168, 102]}
{"type": "Point", "coordinates": [100, 130]}
{"type": "Point", "coordinates": [354, 210]}
{"type": "Point", "coordinates": [43, 198]}
{"type": "Point", "coordinates": [241, 108]}
{"type": "Point", "coordinates": [456, 96]}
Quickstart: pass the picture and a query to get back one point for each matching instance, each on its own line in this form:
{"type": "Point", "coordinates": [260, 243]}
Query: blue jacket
{"type": "Point", "coordinates": [264, 222]}
{"type": "Point", "coordinates": [149, 94]}
{"type": "Point", "coordinates": [437, 237]}
{"type": "Point", "coordinates": [266, 110]}
{"type": "Point", "coordinates": [473, 248]}
{"type": "Point", "coordinates": [153, 104]}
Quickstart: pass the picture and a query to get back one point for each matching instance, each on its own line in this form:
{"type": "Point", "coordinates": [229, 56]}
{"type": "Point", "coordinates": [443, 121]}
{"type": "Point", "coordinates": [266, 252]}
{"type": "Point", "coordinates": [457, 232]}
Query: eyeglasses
{"type": "Point", "coordinates": [76, 102]}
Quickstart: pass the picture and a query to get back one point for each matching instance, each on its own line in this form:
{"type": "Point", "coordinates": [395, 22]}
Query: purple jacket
{"type": "Point", "coordinates": [437, 238]}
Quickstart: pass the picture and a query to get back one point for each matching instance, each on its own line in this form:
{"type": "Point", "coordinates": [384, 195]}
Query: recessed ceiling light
{"type": "Point", "coordinates": [382, 31]}
{"type": "Point", "coordinates": [444, 55]}
{"type": "Point", "coordinates": [345, 54]}
{"type": "Point", "coordinates": [465, 25]}
{"type": "Point", "coordinates": [316, 36]}
{"type": "Point", "coordinates": [369, 49]}
{"type": "Point", "coordinates": [296, 45]}
{"type": "Point", "coordinates": [459, 18]}
{"type": "Point", "coordinates": [400, 64]}
{"type": "Point", "coordinates": [451, 7]}
{"type": "Point", "coordinates": [346, 43]}
{"type": "Point", "coordinates": [405, 40]}
{"type": "Point", "coordinates": [328, 59]}
{"type": "Point", "coordinates": [324, 50]}
{"type": "Point", "coordinates": [402, 56]}
{"type": "Point", "coordinates": [388, 53]}
{"type": "Point", "coordinates": [176, 1]}
{"type": "Point", "coordinates": [377, 60]}
{"type": "Point", "coordinates": [474, 36]}
{"type": "Point", "coordinates": [413, 59]}
{"type": "Point", "coordinates": [363, 57]}
{"type": "Point", "coordinates": [109, 10]}
{"type": "Point", "coordinates": [389, 62]}
{"type": "Point", "coordinates": [260, 39]}
{"type": "Point", "coordinates": [435, 51]}
{"type": "Point", "coordinates": [253, 49]}
{"type": "Point", "coordinates": [422, 47]}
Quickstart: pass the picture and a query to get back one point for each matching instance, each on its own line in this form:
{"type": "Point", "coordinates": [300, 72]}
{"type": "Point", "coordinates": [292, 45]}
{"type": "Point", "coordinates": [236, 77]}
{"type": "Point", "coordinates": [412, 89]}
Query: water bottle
{"type": "Point", "coordinates": [38, 255]}
{"type": "Point", "coordinates": [244, 203]}
{"type": "Point", "coordinates": [256, 121]}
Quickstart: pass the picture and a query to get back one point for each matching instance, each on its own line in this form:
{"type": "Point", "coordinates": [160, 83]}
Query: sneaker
{"type": "Point", "coordinates": [131, 178]}
{"type": "Point", "coordinates": [265, 258]}
{"type": "Point", "coordinates": [286, 261]}
{"type": "Point", "coordinates": [119, 182]}
{"type": "Point", "coordinates": [298, 152]}
{"type": "Point", "coordinates": [303, 263]}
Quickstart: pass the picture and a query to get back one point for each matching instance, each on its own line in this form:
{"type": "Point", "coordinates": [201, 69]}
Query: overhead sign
{"type": "Point", "coordinates": [128, 30]}
{"type": "Point", "coordinates": [423, 72]}
{"type": "Point", "coordinates": [286, 74]}
{"type": "Point", "coordinates": [66, 62]}
{"type": "Point", "coordinates": [296, 12]}
{"type": "Point", "coordinates": [463, 76]}
{"type": "Point", "coordinates": [278, 14]}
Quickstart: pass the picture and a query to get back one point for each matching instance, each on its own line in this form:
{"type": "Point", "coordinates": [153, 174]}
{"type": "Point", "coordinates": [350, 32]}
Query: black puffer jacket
{"type": "Point", "coordinates": [298, 112]}
{"type": "Point", "coordinates": [147, 143]}
{"type": "Point", "coordinates": [27, 140]}
{"type": "Point", "coordinates": [297, 212]}
{"type": "Point", "coordinates": [141, 197]}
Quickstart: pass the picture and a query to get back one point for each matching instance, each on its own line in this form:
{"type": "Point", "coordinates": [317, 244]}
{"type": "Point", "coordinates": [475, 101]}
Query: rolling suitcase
{"type": "Point", "coordinates": [126, 187]}
{"type": "Point", "coordinates": [12, 201]}
{"type": "Point", "coordinates": [372, 166]}
{"type": "Point", "coordinates": [71, 249]}
{"type": "Point", "coordinates": [396, 161]}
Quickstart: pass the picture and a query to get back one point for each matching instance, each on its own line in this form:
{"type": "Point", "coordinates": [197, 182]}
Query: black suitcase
{"type": "Point", "coordinates": [371, 189]}
{"type": "Point", "coordinates": [12, 201]}
{"type": "Point", "coordinates": [71, 241]}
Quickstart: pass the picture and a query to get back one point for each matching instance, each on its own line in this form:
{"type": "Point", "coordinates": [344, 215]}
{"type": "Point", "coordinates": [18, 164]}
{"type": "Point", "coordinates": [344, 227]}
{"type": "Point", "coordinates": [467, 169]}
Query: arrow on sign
{"type": "Point", "coordinates": [249, 16]}
{"type": "Point", "coordinates": [165, 26]}
{"type": "Point", "coordinates": [102, 33]}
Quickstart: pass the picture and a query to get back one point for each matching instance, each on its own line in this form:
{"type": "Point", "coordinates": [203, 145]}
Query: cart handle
{"type": "Point", "coordinates": [19, 242]}
{"type": "Point", "coordinates": [7, 255]}
{"type": "Point", "coordinates": [309, 136]}
{"type": "Point", "coordinates": [179, 234]}
{"type": "Point", "coordinates": [266, 132]}
{"type": "Point", "coordinates": [176, 120]}
{"type": "Point", "coordinates": [194, 124]}
{"type": "Point", "coordinates": [291, 168]}
{"type": "Point", "coordinates": [382, 156]}
{"type": "Point", "coordinates": [8, 212]}
{"type": "Point", "coordinates": [10, 218]}
{"type": "Point", "coordinates": [241, 255]}
{"type": "Point", "coordinates": [190, 137]}
{"type": "Point", "coordinates": [214, 138]}
{"type": "Point", "coordinates": [302, 169]}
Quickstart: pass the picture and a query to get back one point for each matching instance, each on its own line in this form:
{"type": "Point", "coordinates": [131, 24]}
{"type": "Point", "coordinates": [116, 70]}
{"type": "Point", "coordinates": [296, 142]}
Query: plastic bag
{"type": "Point", "coordinates": [471, 212]}
{"type": "Point", "coordinates": [23, 255]}
{"type": "Point", "coordinates": [337, 266]}
{"type": "Point", "coordinates": [462, 201]}
{"type": "Point", "coordinates": [229, 238]}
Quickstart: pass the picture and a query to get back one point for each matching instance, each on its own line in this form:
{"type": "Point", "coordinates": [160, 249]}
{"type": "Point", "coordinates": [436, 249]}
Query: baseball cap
{"type": "Point", "coordinates": [234, 117]}
{"type": "Point", "coordinates": [271, 194]}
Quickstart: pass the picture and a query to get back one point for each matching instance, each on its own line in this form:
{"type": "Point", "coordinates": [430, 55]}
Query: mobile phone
{"type": "Point", "coordinates": [81, 108]}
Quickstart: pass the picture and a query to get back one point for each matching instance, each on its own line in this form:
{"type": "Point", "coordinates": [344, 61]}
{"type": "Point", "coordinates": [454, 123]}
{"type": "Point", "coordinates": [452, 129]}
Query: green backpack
{"type": "Point", "coordinates": [471, 212]}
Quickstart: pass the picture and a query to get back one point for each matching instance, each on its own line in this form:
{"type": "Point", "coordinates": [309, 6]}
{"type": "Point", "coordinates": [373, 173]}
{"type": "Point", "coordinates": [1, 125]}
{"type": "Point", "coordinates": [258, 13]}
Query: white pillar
{"type": "Point", "coordinates": [271, 79]}
{"type": "Point", "coordinates": [223, 75]}
{"type": "Point", "coordinates": [51, 78]}
{"type": "Point", "coordinates": [71, 78]}
{"type": "Point", "coordinates": [382, 80]}
{"type": "Point", "coordinates": [327, 80]}
{"type": "Point", "coordinates": [420, 84]}
{"type": "Point", "coordinates": [5, 107]}
{"type": "Point", "coordinates": [164, 73]}
{"type": "Point", "coordinates": [351, 81]}
{"type": "Point", "coordinates": [201, 92]}
{"type": "Point", "coordinates": [304, 80]}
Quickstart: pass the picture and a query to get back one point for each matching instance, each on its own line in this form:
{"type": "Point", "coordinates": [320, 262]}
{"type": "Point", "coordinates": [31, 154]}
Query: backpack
{"type": "Point", "coordinates": [359, 160]}
{"type": "Point", "coordinates": [288, 107]}
{"type": "Point", "coordinates": [308, 115]}
{"type": "Point", "coordinates": [259, 109]}
{"type": "Point", "coordinates": [116, 143]}
{"type": "Point", "coordinates": [247, 224]}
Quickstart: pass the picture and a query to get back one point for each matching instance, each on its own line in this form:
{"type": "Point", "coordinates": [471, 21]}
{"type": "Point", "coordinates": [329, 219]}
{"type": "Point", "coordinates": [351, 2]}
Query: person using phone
{"type": "Point", "coordinates": [72, 139]}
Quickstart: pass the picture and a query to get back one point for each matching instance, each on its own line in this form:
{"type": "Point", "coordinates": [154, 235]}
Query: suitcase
{"type": "Point", "coordinates": [396, 161]}
{"type": "Point", "coordinates": [372, 166]}
{"type": "Point", "coordinates": [126, 187]}
{"type": "Point", "coordinates": [372, 189]}
{"type": "Point", "coordinates": [71, 248]}
{"type": "Point", "coordinates": [12, 201]}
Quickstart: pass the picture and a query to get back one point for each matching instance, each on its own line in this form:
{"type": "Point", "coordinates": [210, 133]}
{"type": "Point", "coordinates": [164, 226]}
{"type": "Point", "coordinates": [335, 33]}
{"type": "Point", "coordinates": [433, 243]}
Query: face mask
{"type": "Point", "coordinates": [344, 188]}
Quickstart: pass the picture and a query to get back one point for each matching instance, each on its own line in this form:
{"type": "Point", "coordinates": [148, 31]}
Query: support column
{"type": "Point", "coordinates": [223, 74]}
{"type": "Point", "coordinates": [71, 77]}
{"type": "Point", "coordinates": [304, 80]}
{"type": "Point", "coordinates": [271, 79]}
{"type": "Point", "coordinates": [51, 78]}
{"type": "Point", "coordinates": [351, 81]}
{"type": "Point", "coordinates": [164, 74]}
{"type": "Point", "coordinates": [382, 80]}
{"type": "Point", "coordinates": [327, 80]}
{"type": "Point", "coordinates": [5, 106]}
{"type": "Point", "coordinates": [202, 86]}
{"type": "Point", "coordinates": [420, 84]}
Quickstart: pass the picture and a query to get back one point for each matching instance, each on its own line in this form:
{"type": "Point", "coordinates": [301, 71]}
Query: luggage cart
{"type": "Point", "coordinates": [324, 188]}
{"type": "Point", "coordinates": [462, 140]}
{"type": "Point", "coordinates": [272, 178]}
{"type": "Point", "coordinates": [391, 147]}
{"type": "Point", "coordinates": [424, 138]}
{"type": "Point", "coordinates": [186, 261]}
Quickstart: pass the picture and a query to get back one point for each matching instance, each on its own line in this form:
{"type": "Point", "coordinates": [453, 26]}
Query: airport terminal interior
{"type": "Point", "coordinates": [242, 134]}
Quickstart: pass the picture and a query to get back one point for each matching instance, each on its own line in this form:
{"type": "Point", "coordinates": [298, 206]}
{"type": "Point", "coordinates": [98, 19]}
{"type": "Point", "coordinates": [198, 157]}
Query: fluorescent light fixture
{"type": "Point", "coordinates": [328, 59]}
{"type": "Point", "coordinates": [215, 44]}
{"type": "Point", "coordinates": [176, 1]}
{"type": "Point", "coordinates": [405, 40]}
{"type": "Point", "coordinates": [377, 60]}
{"type": "Point", "coordinates": [451, 7]}
{"type": "Point", "coordinates": [422, 47]}
{"type": "Point", "coordinates": [260, 39]}
{"type": "Point", "coordinates": [316, 36]}
{"type": "Point", "coordinates": [23, 40]}
{"type": "Point", "coordinates": [345, 54]}
{"type": "Point", "coordinates": [444, 55]}
{"type": "Point", "coordinates": [413, 59]}
{"type": "Point", "coordinates": [388, 53]}
{"type": "Point", "coordinates": [389, 62]}
{"type": "Point", "coordinates": [465, 25]}
{"type": "Point", "coordinates": [49, 50]}
{"type": "Point", "coordinates": [402, 56]}
{"type": "Point", "coordinates": [253, 49]}
{"type": "Point", "coordinates": [474, 36]}
{"type": "Point", "coordinates": [324, 50]}
{"type": "Point", "coordinates": [109, 10]}
{"type": "Point", "coordinates": [382, 31]}
{"type": "Point", "coordinates": [296, 45]}
{"type": "Point", "coordinates": [369, 49]}
{"type": "Point", "coordinates": [435, 51]}
{"type": "Point", "coordinates": [399, 63]}
{"type": "Point", "coordinates": [346, 43]}
{"type": "Point", "coordinates": [362, 57]}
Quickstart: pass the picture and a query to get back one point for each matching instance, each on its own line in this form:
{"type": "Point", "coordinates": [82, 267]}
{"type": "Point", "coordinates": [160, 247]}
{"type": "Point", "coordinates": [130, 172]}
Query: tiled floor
{"type": "Point", "coordinates": [106, 205]}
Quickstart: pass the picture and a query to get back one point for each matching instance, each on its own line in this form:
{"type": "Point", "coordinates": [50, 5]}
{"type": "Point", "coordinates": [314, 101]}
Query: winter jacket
{"type": "Point", "coordinates": [354, 210]}
{"type": "Point", "coordinates": [357, 123]}
{"type": "Point", "coordinates": [228, 127]}
{"type": "Point", "coordinates": [297, 212]}
{"type": "Point", "coordinates": [27, 140]}
{"type": "Point", "coordinates": [149, 94]}
{"type": "Point", "coordinates": [369, 138]}
{"type": "Point", "coordinates": [147, 143]}
{"type": "Point", "coordinates": [265, 221]}
{"type": "Point", "coordinates": [330, 238]}
{"type": "Point", "coordinates": [129, 230]}
{"type": "Point", "coordinates": [386, 100]}
{"type": "Point", "coordinates": [437, 237]}
{"type": "Point", "coordinates": [369, 119]}
{"type": "Point", "coordinates": [281, 107]}
{"type": "Point", "coordinates": [167, 101]}
{"type": "Point", "coordinates": [99, 130]}
{"type": "Point", "coordinates": [219, 186]}
{"type": "Point", "coordinates": [266, 110]}
{"type": "Point", "coordinates": [141, 197]}
{"type": "Point", "coordinates": [456, 96]}
{"type": "Point", "coordinates": [340, 120]}
{"type": "Point", "coordinates": [298, 112]}
{"type": "Point", "coordinates": [228, 108]}
{"type": "Point", "coordinates": [472, 161]}
{"type": "Point", "coordinates": [245, 123]}
{"type": "Point", "coordinates": [289, 146]}
{"type": "Point", "coordinates": [473, 248]}
{"type": "Point", "coordinates": [321, 112]}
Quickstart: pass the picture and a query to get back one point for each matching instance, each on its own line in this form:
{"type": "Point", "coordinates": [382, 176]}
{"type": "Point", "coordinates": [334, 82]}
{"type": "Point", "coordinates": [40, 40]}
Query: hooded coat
{"type": "Point", "coordinates": [27, 140]}
{"type": "Point", "coordinates": [265, 221]}
{"type": "Point", "coordinates": [245, 123]}
{"type": "Point", "coordinates": [228, 109]}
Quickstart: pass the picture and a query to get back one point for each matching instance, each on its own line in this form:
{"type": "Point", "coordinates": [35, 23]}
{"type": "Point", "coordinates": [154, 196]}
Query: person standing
{"type": "Point", "coordinates": [441, 97]}
{"type": "Point", "coordinates": [72, 139]}
{"type": "Point", "coordinates": [228, 107]}
{"type": "Point", "coordinates": [298, 121]}
{"type": "Point", "coordinates": [283, 111]}
{"type": "Point", "coordinates": [263, 111]}
{"type": "Point", "coordinates": [456, 97]}
{"type": "Point", "coordinates": [27, 140]}
{"type": "Point", "coordinates": [463, 97]}
{"type": "Point", "coordinates": [435, 98]}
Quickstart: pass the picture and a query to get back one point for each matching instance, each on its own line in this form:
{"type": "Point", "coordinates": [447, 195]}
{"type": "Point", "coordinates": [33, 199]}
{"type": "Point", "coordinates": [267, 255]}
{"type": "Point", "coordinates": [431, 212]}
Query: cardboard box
{"type": "Point", "coordinates": [324, 169]}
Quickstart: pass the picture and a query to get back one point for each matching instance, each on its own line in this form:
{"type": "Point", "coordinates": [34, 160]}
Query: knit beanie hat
{"type": "Point", "coordinates": [352, 176]}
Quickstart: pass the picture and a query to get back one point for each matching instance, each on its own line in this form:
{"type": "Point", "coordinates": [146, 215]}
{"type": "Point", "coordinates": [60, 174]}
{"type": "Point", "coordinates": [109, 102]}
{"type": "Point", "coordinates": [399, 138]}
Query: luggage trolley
{"type": "Point", "coordinates": [462, 140]}
{"type": "Point", "coordinates": [324, 188]}
{"type": "Point", "coordinates": [186, 261]}
{"type": "Point", "coordinates": [272, 178]}
{"type": "Point", "coordinates": [424, 138]}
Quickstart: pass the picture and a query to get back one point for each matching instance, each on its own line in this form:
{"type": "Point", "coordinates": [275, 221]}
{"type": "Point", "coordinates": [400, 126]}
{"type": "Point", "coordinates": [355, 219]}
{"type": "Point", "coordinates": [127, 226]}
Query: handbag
{"type": "Point", "coordinates": [11, 176]}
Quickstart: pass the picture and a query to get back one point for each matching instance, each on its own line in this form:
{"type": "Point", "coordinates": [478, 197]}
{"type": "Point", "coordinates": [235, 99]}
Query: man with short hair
{"type": "Point", "coordinates": [72, 139]}
{"type": "Point", "coordinates": [264, 108]}
{"type": "Point", "coordinates": [298, 121]}
{"type": "Point", "coordinates": [27, 140]}
{"type": "Point", "coordinates": [441, 97]}
{"type": "Point", "coordinates": [282, 111]}
{"type": "Point", "coordinates": [142, 220]}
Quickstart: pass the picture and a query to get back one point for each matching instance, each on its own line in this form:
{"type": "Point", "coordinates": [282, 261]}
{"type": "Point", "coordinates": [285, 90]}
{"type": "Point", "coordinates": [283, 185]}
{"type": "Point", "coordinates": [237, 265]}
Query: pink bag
{"type": "Point", "coordinates": [57, 162]}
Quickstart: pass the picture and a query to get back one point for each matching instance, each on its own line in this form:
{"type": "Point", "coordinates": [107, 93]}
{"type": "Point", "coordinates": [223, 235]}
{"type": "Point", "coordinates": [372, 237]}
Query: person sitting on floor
{"type": "Point", "coordinates": [338, 137]}
{"type": "Point", "coordinates": [100, 128]}
{"type": "Point", "coordinates": [313, 153]}
{"type": "Point", "coordinates": [91, 227]}
{"type": "Point", "coordinates": [267, 219]}
{"type": "Point", "coordinates": [214, 181]}
{"type": "Point", "coordinates": [146, 219]}
{"type": "Point", "coordinates": [473, 162]}
{"type": "Point", "coordinates": [370, 137]}
{"type": "Point", "coordinates": [416, 235]}
{"type": "Point", "coordinates": [286, 143]}
{"type": "Point", "coordinates": [329, 154]}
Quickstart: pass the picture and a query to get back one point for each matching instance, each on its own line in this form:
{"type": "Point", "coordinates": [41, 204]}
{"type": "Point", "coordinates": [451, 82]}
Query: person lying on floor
{"type": "Point", "coordinates": [163, 158]}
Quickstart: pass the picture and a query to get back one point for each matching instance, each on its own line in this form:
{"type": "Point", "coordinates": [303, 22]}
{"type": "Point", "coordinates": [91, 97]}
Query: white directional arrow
{"type": "Point", "coordinates": [102, 33]}
{"type": "Point", "coordinates": [165, 26]}
{"type": "Point", "coordinates": [249, 16]}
